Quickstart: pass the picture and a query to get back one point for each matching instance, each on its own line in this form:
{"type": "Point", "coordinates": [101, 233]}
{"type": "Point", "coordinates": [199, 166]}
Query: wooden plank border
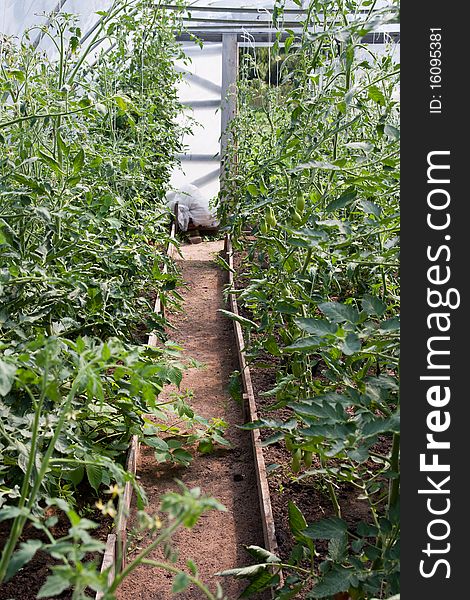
{"type": "Point", "coordinates": [125, 504]}
{"type": "Point", "coordinates": [108, 561]}
{"type": "Point", "coordinates": [251, 414]}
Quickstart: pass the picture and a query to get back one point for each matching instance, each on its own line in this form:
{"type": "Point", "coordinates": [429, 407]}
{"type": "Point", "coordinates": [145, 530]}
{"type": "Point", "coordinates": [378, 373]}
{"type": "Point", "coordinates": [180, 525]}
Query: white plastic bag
{"type": "Point", "coordinates": [192, 204]}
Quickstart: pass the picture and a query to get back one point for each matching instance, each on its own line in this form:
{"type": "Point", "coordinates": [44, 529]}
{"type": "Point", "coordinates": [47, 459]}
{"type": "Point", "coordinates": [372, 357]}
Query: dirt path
{"type": "Point", "coordinates": [216, 542]}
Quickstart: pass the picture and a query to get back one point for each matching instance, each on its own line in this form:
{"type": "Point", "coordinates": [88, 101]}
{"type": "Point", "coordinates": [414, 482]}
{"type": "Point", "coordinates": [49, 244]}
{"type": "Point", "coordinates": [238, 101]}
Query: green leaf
{"type": "Point", "coordinates": [95, 475]}
{"type": "Point", "coordinates": [192, 567]}
{"type": "Point", "coordinates": [297, 522]}
{"type": "Point", "coordinates": [337, 548]}
{"type": "Point", "coordinates": [351, 344]}
{"type": "Point", "coordinates": [323, 410]}
{"type": "Point", "coordinates": [74, 475]}
{"type": "Point", "coordinates": [339, 313]}
{"type": "Point", "coordinates": [392, 324]}
{"type": "Point", "coordinates": [22, 556]}
{"type": "Point", "coordinates": [366, 146]}
{"type": "Point", "coordinates": [370, 208]}
{"type": "Point", "coordinates": [373, 305]}
{"type": "Point", "coordinates": [286, 308]}
{"type": "Point", "coordinates": [272, 439]}
{"type": "Point", "coordinates": [235, 387]}
{"type": "Point", "coordinates": [16, 74]}
{"type": "Point", "coordinates": [317, 164]}
{"type": "Point", "coordinates": [7, 377]}
{"type": "Point", "coordinates": [180, 582]}
{"type": "Point", "coordinates": [174, 375]}
{"type": "Point", "coordinates": [72, 181]}
{"type": "Point", "coordinates": [389, 425]}
{"type": "Point", "coordinates": [326, 529]}
{"type": "Point", "coordinates": [359, 454]}
{"type": "Point", "coordinates": [78, 161]}
{"type": "Point", "coordinates": [29, 182]}
{"type": "Point", "coordinates": [238, 318]}
{"type": "Point", "coordinates": [262, 554]}
{"type": "Point", "coordinates": [338, 579]}
{"type": "Point", "coordinates": [101, 110]}
{"type": "Point", "coordinates": [376, 95]}
{"type": "Point", "coordinates": [259, 583]}
{"type": "Point", "coordinates": [318, 327]}
{"type": "Point", "coordinates": [50, 161]}
{"type": "Point", "coordinates": [74, 43]}
{"type": "Point", "coordinates": [392, 132]}
{"type": "Point", "coordinates": [205, 446]}
{"type": "Point", "coordinates": [43, 213]}
{"type": "Point", "coordinates": [124, 103]}
{"type": "Point", "coordinates": [304, 344]}
{"type": "Point", "coordinates": [243, 572]}
{"type": "Point", "coordinates": [11, 512]}
{"type": "Point", "coordinates": [156, 442]}
{"type": "Point", "coordinates": [344, 200]}
{"type": "Point", "coordinates": [182, 456]}
{"type": "Point", "coordinates": [54, 585]}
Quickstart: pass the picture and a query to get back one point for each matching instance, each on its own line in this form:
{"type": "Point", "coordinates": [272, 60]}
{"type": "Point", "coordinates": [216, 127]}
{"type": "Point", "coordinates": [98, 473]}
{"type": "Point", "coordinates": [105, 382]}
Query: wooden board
{"type": "Point", "coordinates": [251, 414]}
{"type": "Point", "coordinates": [108, 561]}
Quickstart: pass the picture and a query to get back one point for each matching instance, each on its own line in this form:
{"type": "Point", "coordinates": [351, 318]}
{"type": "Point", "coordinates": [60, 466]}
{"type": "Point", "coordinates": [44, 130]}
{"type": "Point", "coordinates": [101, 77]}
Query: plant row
{"type": "Point", "coordinates": [311, 203]}
{"type": "Point", "coordinates": [88, 136]}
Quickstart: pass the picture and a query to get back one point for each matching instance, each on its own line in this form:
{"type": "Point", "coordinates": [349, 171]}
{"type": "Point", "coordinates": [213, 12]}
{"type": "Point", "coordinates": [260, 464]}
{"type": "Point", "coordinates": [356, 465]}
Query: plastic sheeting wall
{"type": "Point", "coordinates": [16, 16]}
{"type": "Point", "coordinates": [200, 164]}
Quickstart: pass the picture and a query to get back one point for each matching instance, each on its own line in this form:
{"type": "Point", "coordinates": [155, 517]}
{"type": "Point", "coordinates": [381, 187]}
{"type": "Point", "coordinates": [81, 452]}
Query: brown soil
{"type": "Point", "coordinates": [216, 542]}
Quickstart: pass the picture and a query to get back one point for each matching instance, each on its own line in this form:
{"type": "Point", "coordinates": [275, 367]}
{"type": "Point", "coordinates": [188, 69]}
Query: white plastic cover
{"type": "Point", "coordinates": [192, 205]}
{"type": "Point", "coordinates": [17, 16]}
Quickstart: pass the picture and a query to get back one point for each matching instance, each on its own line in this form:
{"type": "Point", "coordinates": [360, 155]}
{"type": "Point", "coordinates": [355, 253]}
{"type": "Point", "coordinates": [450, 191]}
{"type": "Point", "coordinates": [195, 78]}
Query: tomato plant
{"type": "Point", "coordinates": [311, 200]}
{"type": "Point", "coordinates": [88, 138]}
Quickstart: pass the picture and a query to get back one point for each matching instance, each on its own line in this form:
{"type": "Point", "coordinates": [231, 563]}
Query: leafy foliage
{"type": "Point", "coordinates": [311, 198]}
{"type": "Point", "coordinates": [87, 142]}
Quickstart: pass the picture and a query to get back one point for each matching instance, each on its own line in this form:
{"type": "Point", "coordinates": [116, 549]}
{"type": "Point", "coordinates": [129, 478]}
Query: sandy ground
{"type": "Point", "coordinates": [216, 542]}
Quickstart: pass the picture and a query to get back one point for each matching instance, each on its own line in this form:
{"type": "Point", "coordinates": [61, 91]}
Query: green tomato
{"type": "Point", "coordinates": [300, 204]}
{"type": "Point", "coordinates": [297, 369]}
{"type": "Point", "coordinates": [289, 443]}
{"type": "Point", "coordinates": [296, 458]}
{"type": "Point", "coordinates": [271, 218]}
{"type": "Point", "coordinates": [308, 458]}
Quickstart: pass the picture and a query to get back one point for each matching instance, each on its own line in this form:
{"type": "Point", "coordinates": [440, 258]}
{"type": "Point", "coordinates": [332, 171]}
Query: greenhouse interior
{"type": "Point", "coordinates": [199, 299]}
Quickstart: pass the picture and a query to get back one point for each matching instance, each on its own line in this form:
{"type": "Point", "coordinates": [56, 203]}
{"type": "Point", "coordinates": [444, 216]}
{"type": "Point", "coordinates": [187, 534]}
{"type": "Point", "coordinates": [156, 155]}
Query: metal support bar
{"type": "Point", "coordinates": [265, 36]}
{"type": "Point", "coordinates": [199, 157]}
{"type": "Point", "coordinates": [207, 178]}
{"type": "Point", "coordinates": [210, 85]}
{"type": "Point", "coordinates": [266, 22]}
{"type": "Point", "coordinates": [233, 9]}
{"type": "Point", "coordinates": [54, 12]}
{"type": "Point", "coordinates": [213, 103]}
{"type": "Point", "coordinates": [192, 48]}
{"type": "Point", "coordinates": [229, 89]}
